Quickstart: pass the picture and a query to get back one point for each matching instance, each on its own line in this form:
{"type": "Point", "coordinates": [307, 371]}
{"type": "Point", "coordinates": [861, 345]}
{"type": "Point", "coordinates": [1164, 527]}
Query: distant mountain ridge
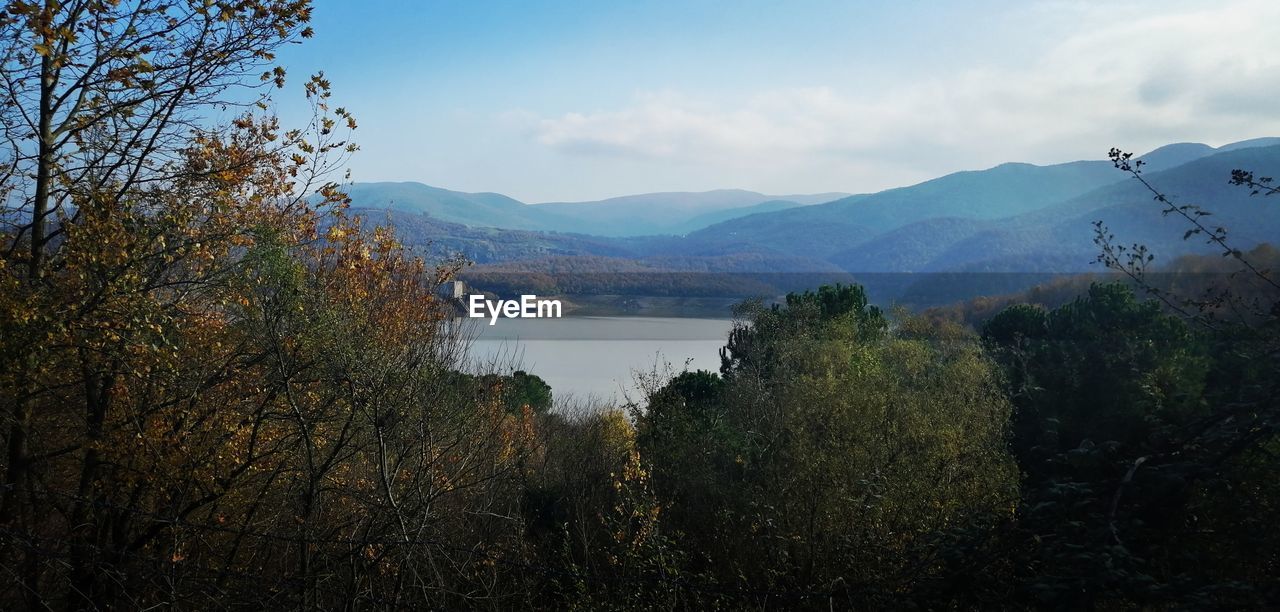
{"type": "Point", "coordinates": [1059, 238]}
{"type": "Point", "coordinates": [670, 212]}
{"type": "Point", "coordinates": [1012, 218]}
{"type": "Point", "coordinates": [477, 209]}
{"type": "Point", "coordinates": [675, 213]}
{"type": "Point", "coordinates": [1002, 191]}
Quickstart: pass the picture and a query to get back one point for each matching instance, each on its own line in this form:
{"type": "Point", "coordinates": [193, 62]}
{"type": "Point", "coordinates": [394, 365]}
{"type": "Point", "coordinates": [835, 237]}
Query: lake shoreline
{"type": "Point", "coordinates": [597, 356]}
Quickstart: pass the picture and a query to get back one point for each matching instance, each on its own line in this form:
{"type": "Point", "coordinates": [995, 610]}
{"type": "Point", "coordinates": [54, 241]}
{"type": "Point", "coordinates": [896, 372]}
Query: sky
{"type": "Point", "coordinates": [571, 101]}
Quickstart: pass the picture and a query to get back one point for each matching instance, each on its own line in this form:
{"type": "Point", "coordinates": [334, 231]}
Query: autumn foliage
{"type": "Point", "coordinates": [219, 389]}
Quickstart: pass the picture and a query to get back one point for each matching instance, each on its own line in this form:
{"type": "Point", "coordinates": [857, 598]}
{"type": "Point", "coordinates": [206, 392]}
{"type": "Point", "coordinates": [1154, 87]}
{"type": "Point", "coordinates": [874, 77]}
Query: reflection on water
{"type": "Point", "coordinates": [595, 357]}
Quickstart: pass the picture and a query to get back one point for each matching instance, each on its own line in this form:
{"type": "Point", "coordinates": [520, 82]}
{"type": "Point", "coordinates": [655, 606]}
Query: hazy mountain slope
{"type": "Point", "coordinates": [637, 215]}
{"type": "Point", "coordinates": [736, 217]}
{"type": "Point", "coordinates": [721, 216]}
{"type": "Point", "coordinates": [527, 250]}
{"type": "Point", "coordinates": [475, 209]}
{"type": "Point", "coordinates": [1266, 141]}
{"type": "Point", "coordinates": [1060, 238]}
{"type": "Point", "coordinates": [909, 248]}
{"type": "Point", "coordinates": [913, 247]}
{"type": "Point", "coordinates": [438, 239]}
{"type": "Point", "coordinates": [812, 198]}
{"type": "Point", "coordinates": [1042, 236]}
{"type": "Point", "coordinates": [1174, 155]}
{"type": "Point", "coordinates": [816, 238]}
{"type": "Point", "coordinates": [934, 209]}
{"type": "Point", "coordinates": [1002, 191]}
{"type": "Point", "coordinates": [663, 213]}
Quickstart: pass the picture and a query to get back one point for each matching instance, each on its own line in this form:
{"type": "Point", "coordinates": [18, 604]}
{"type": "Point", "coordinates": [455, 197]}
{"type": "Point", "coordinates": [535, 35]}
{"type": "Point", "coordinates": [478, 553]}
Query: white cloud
{"type": "Point", "coordinates": [1123, 77]}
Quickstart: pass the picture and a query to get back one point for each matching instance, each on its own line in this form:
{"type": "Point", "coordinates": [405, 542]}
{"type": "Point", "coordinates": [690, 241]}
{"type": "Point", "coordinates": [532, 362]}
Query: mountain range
{"type": "Point", "coordinates": [1012, 218]}
{"type": "Point", "coordinates": [633, 215]}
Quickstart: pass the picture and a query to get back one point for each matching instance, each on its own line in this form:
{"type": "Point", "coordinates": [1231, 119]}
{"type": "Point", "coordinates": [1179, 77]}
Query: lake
{"type": "Point", "coordinates": [587, 358]}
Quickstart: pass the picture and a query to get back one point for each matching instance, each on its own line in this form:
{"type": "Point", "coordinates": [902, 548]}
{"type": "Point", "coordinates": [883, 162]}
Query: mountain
{"type": "Point", "coordinates": [474, 209]}
{"type": "Point", "coordinates": [1059, 238]}
{"type": "Point", "coordinates": [721, 216]}
{"type": "Point", "coordinates": [1059, 235]}
{"type": "Point", "coordinates": [923, 242]}
{"type": "Point", "coordinates": [807, 235]}
{"type": "Point", "coordinates": [910, 248]}
{"type": "Point", "coordinates": [668, 213]}
{"type": "Point", "coordinates": [1174, 155]}
{"type": "Point", "coordinates": [827, 229]}
{"type": "Point", "coordinates": [905, 229]}
{"type": "Point", "coordinates": [437, 239]}
{"type": "Point", "coordinates": [636, 215]}
{"type": "Point", "coordinates": [1267, 141]}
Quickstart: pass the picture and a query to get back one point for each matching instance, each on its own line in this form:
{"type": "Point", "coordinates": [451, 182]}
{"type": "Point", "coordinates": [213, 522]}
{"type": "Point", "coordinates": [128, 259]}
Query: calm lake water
{"type": "Point", "coordinates": [596, 357]}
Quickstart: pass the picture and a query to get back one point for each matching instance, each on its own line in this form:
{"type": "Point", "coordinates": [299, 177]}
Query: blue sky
{"type": "Point", "coordinates": [555, 101]}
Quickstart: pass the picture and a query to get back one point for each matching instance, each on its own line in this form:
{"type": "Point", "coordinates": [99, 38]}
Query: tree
{"type": "Point", "coordinates": [128, 392]}
{"type": "Point", "coordinates": [836, 454]}
{"type": "Point", "coordinates": [1144, 430]}
{"type": "Point", "coordinates": [100, 101]}
{"type": "Point", "coordinates": [102, 97]}
{"type": "Point", "coordinates": [1104, 368]}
